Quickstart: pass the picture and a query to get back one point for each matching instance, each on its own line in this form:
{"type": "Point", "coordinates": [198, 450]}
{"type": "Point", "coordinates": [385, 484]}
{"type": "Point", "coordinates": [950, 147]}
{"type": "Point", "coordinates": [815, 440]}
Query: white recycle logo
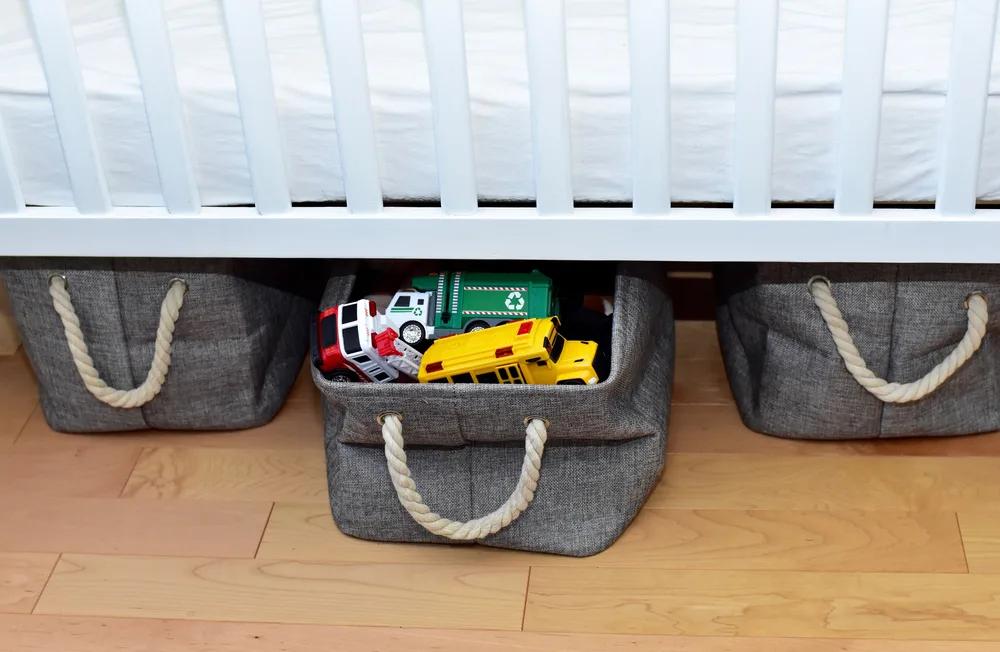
{"type": "Point", "coordinates": [515, 301]}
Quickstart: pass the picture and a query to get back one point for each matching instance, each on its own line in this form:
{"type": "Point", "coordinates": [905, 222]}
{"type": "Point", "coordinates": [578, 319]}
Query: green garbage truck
{"type": "Point", "coordinates": [447, 303]}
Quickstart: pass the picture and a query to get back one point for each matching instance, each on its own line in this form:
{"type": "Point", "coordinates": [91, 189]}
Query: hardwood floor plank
{"type": "Point", "coordinates": [18, 392]}
{"type": "Point", "coordinates": [68, 471]}
{"type": "Point", "coordinates": [299, 425]}
{"type": "Point", "coordinates": [39, 633]}
{"type": "Point", "coordinates": [756, 603]}
{"type": "Point", "coordinates": [697, 339]}
{"type": "Point", "coordinates": [229, 474]}
{"type": "Point", "coordinates": [827, 483]}
{"type": "Point", "coordinates": [131, 527]}
{"type": "Point", "coordinates": [771, 540]}
{"type": "Point", "coordinates": [398, 595]}
{"type": "Point", "coordinates": [22, 576]}
{"type": "Point", "coordinates": [306, 531]}
{"type": "Point", "coordinates": [717, 429]}
{"type": "Point", "coordinates": [700, 381]}
{"type": "Point", "coordinates": [981, 536]}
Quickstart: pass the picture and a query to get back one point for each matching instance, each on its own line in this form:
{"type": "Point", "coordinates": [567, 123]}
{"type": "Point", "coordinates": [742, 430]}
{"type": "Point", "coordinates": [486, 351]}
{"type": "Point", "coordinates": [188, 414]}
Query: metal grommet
{"type": "Point", "coordinates": [178, 280]}
{"type": "Point", "coordinates": [381, 417]}
{"type": "Point", "coordinates": [971, 294]}
{"type": "Point", "coordinates": [819, 279]}
{"type": "Point", "coordinates": [62, 276]}
{"type": "Point", "coordinates": [528, 420]}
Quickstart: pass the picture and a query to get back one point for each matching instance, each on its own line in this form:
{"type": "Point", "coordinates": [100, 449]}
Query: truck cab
{"type": "Point", "coordinates": [344, 348]}
{"type": "Point", "coordinates": [411, 314]}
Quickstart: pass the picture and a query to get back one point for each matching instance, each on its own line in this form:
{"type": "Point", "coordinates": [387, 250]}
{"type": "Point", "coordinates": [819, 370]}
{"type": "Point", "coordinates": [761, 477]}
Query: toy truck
{"type": "Point", "coordinates": [449, 303]}
{"type": "Point", "coordinates": [351, 343]}
{"type": "Point", "coordinates": [526, 352]}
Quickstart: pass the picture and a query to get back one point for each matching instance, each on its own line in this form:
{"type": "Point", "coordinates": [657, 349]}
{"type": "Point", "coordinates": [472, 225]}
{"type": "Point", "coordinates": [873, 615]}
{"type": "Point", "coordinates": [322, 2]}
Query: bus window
{"type": "Point", "coordinates": [349, 313]}
{"type": "Point", "coordinates": [461, 378]}
{"type": "Point", "coordinates": [487, 378]}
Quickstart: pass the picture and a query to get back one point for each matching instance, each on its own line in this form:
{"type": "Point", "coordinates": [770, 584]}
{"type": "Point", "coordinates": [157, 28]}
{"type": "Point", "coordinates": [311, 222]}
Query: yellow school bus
{"type": "Point", "coordinates": [523, 352]}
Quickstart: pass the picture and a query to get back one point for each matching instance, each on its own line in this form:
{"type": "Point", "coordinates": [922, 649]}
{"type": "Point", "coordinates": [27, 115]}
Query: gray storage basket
{"type": "Point", "coordinates": [465, 443]}
{"type": "Point", "coordinates": [239, 340]}
{"type": "Point", "coordinates": [908, 322]}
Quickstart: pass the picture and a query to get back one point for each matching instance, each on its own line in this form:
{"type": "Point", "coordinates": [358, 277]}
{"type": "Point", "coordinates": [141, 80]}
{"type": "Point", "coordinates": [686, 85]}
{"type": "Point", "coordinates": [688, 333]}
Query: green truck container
{"type": "Point", "coordinates": [460, 302]}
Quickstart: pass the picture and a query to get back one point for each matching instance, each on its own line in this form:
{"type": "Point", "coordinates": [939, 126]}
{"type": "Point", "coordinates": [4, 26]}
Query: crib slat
{"type": "Point", "coordinates": [258, 110]}
{"type": "Point", "coordinates": [444, 36]}
{"type": "Point", "coordinates": [549, 87]}
{"type": "Point", "coordinates": [11, 199]}
{"type": "Point", "coordinates": [965, 108]}
{"type": "Point", "coordinates": [164, 111]}
{"type": "Point", "coordinates": [757, 46]}
{"type": "Point", "coordinates": [345, 55]}
{"type": "Point", "coordinates": [54, 36]}
{"type": "Point", "coordinates": [861, 105]}
{"type": "Point", "coordinates": [649, 68]}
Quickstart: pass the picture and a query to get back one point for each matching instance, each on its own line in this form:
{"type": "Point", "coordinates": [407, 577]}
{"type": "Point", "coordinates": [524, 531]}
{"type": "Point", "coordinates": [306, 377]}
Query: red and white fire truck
{"type": "Point", "coordinates": [352, 342]}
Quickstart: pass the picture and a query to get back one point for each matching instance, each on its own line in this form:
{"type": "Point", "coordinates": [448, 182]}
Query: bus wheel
{"type": "Point", "coordinates": [571, 381]}
{"type": "Point", "coordinates": [341, 376]}
{"type": "Point", "coordinates": [412, 333]}
{"type": "Point", "coordinates": [476, 326]}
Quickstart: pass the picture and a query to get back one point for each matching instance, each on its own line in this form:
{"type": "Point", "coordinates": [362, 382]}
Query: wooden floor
{"type": "Point", "coordinates": [224, 542]}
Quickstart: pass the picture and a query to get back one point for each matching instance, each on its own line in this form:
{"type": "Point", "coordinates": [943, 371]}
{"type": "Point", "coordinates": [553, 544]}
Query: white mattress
{"type": "Point", "coordinates": [703, 71]}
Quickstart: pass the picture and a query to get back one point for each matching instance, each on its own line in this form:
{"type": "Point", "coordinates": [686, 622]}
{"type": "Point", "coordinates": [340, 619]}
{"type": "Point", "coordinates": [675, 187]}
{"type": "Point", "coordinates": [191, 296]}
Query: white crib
{"type": "Point", "coordinates": [647, 227]}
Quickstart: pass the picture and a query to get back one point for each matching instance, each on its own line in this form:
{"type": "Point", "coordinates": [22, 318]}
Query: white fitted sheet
{"type": "Point", "coordinates": [702, 69]}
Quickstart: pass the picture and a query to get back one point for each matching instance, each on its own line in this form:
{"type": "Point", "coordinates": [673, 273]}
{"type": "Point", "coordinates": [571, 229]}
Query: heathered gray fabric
{"type": "Point", "coordinates": [239, 342]}
{"type": "Point", "coordinates": [789, 380]}
{"type": "Point", "coordinates": [465, 443]}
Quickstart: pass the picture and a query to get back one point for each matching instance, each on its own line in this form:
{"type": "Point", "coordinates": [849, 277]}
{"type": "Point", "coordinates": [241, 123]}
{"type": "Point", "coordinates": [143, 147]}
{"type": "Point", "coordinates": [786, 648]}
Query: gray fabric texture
{"type": "Point", "coordinates": [465, 443]}
{"type": "Point", "coordinates": [789, 380]}
{"type": "Point", "coordinates": [239, 342]}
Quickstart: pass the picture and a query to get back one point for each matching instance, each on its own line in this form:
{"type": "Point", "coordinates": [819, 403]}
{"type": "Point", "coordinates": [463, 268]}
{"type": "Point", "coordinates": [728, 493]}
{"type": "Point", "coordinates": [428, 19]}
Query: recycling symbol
{"type": "Point", "coordinates": [515, 301]}
{"type": "Point", "coordinates": [418, 311]}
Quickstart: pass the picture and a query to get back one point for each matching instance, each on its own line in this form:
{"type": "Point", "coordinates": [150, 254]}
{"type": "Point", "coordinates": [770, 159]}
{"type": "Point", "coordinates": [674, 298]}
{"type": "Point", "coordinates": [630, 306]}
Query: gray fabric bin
{"type": "Point", "coordinates": [789, 379]}
{"type": "Point", "coordinates": [465, 443]}
{"type": "Point", "coordinates": [239, 342]}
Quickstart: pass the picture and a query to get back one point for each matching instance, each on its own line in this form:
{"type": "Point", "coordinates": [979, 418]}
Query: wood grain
{"type": "Point", "coordinates": [828, 483]}
{"type": "Point", "coordinates": [74, 634]}
{"type": "Point", "coordinates": [718, 429]}
{"type": "Point", "coordinates": [298, 425]}
{"type": "Point", "coordinates": [131, 527]}
{"type": "Point", "coordinates": [697, 339]}
{"type": "Point", "coordinates": [981, 536]}
{"type": "Point", "coordinates": [395, 595]}
{"type": "Point", "coordinates": [767, 540]}
{"type": "Point", "coordinates": [22, 576]}
{"type": "Point", "coordinates": [307, 531]}
{"type": "Point", "coordinates": [749, 603]}
{"type": "Point", "coordinates": [70, 472]}
{"type": "Point", "coordinates": [9, 340]}
{"type": "Point", "coordinates": [229, 474]}
{"type": "Point", "coordinates": [18, 395]}
{"type": "Point", "coordinates": [700, 381]}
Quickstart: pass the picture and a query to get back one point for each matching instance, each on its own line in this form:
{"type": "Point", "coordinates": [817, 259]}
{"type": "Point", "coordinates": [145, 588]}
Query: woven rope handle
{"type": "Point", "coordinates": [899, 392]}
{"type": "Point", "coordinates": [406, 487]}
{"type": "Point", "coordinates": [144, 393]}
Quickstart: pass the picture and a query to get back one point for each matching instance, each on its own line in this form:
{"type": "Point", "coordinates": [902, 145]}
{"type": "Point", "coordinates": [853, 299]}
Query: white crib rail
{"type": "Point", "coordinates": [164, 111]}
{"type": "Point", "coordinates": [649, 229]}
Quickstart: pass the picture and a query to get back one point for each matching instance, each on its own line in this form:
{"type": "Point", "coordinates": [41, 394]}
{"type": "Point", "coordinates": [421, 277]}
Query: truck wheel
{"type": "Point", "coordinates": [341, 376]}
{"type": "Point", "coordinates": [571, 381]}
{"type": "Point", "coordinates": [412, 333]}
{"type": "Point", "coordinates": [476, 326]}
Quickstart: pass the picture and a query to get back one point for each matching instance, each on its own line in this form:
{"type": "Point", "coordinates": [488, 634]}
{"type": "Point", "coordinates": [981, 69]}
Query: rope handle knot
{"type": "Point", "coordinates": [536, 433]}
{"type": "Point", "coordinates": [177, 290]}
{"type": "Point", "coordinates": [977, 308]}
